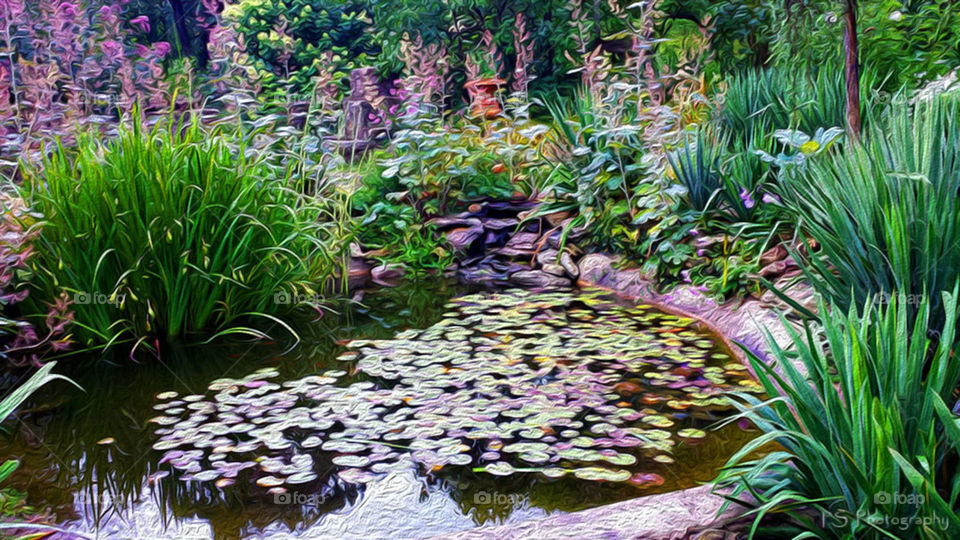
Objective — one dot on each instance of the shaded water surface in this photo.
(422, 410)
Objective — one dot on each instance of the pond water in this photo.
(420, 410)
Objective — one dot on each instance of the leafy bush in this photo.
(170, 232)
(885, 213)
(288, 37)
(867, 433)
(431, 170)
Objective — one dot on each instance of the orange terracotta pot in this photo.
(483, 97)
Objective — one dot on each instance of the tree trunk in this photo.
(180, 23)
(852, 70)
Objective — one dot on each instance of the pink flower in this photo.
(142, 22)
(68, 9)
(161, 49)
(142, 50)
(113, 50)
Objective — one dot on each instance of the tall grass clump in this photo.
(777, 98)
(869, 442)
(885, 213)
(172, 233)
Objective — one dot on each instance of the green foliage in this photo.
(761, 101)
(867, 434)
(901, 42)
(173, 231)
(885, 213)
(458, 26)
(287, 38)
(608, 178)
(432, 170)
(697, 167)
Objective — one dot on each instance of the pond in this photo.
(417, 411)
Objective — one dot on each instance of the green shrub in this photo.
(886, 213)
(170, 232)
(287, 38)
(867, 434)
(697, 167)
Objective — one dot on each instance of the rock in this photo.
(595, 266)
(556, 218)
(475, 208)
(566, 261)
(779, 267)
(772, 255)
(386, 272)
(524, 240)
(357, 272)
(554, 269)
(514, 252)
(538, 280)
(459, 221)
(501, 223)
(462, 238)
(773, 269)
(547, 256)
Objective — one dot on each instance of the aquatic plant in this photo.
(169, 232)
(510, 382)
(865, 423)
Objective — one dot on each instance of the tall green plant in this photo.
(869, 442)
(173, 231)
(697, 166)
(885, 214)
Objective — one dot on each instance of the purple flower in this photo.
(161, 49)
(142, 22)
(112, 49)
(68, 9)
(694, 232)
(142, 50)
(769, 198)
(748, 202)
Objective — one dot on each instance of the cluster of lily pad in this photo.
(553, 383)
